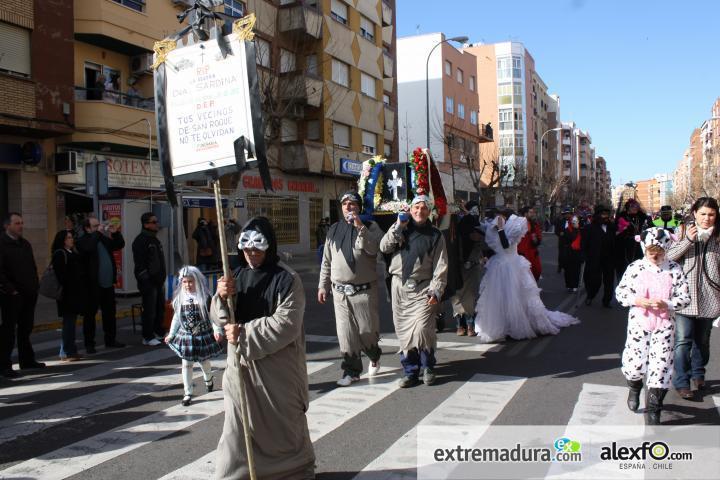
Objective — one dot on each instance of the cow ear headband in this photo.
(655, 236)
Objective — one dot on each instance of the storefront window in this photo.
(282, 212)
(315, 210)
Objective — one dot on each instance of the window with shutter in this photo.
(15, 53)
(339, 11)
(369, 142)
(341, 72)
(367, 28)
(341, 135)
(367, 85)
(287, 61)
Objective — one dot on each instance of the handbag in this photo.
(50, 286)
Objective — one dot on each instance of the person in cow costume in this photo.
(654, 288)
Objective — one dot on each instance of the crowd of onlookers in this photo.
(84, 269)
(597, 249)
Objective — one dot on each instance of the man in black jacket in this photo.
(150, 275)
(598, 247)
(96, 248)
(18, 295)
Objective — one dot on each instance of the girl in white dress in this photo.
(509, 303)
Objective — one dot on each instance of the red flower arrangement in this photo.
(420, 166)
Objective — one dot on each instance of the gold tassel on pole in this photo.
(243, 27)
(162, 48)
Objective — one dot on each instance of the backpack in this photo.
(50, 286)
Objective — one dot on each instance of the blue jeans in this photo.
(68, 347)
(414, 360)
(464, 321)
(692, 349)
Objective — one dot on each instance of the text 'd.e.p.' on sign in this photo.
(207, 105)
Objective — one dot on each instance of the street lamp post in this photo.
(542, 192)
(460, 39)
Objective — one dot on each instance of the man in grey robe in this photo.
(418, 266)
(348, 271)
(267, 347)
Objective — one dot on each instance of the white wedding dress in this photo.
(509, 301)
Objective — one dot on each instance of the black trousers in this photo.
(18, 319)
(572, 269)
(603, 274)
(103, 298)
(153, 315)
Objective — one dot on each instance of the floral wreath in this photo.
(423, 181)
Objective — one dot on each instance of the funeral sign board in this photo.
(207, 101)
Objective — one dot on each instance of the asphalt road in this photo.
(116, 415)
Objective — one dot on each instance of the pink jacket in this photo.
(654, 285)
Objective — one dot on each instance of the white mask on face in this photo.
(704, 235)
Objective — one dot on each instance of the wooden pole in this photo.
(231, 306)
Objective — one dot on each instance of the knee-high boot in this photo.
(633, 400)
(655, 397)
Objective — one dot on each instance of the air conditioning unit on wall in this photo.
(140, 64)
(65, 163)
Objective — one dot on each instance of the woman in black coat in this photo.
(71, 276)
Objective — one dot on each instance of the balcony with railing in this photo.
(301, 87)
(302, 157)
(120, 27)
(115, 97)
(387, 13)
(485, 132)
(103, 110)
(301, 18)
(387, 66)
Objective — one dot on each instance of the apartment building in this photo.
(665, 187)
(513, 96)
(37, 108)
(602, 182)
(648, 194)
(334, 66)
(329, 95)
(451, 109)
(578, 163)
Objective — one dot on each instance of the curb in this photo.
(56, 325)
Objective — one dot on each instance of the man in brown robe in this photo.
(267, 347)
(348, 271)
(418, 267)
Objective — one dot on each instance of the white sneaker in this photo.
(152, 343)
(346, 380)
(373, 369)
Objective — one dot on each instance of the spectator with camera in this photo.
(96, 248)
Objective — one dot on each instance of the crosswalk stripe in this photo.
(601, 406)
(42, 418)
(94, 451)
(488, 394)
(394, 342)
(86, 371)
(39, 419)
(324, 415)
(605, 405)
(106, 446)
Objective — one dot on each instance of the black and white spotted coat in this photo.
(647, 352)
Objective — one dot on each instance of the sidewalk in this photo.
(46, 317)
